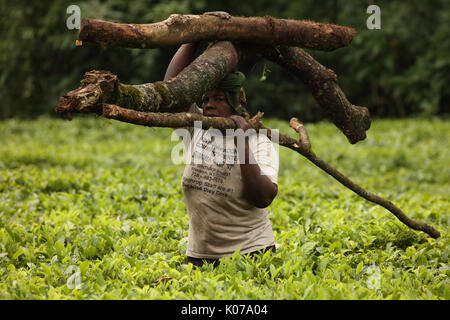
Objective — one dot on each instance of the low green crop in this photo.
(93, 209)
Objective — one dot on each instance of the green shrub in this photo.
(93, 209)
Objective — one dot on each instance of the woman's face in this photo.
(215, 104)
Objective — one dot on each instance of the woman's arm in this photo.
(183, 57)
(259, 190)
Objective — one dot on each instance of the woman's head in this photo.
(227, 98)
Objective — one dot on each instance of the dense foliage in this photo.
(93, 209)
(396, 71)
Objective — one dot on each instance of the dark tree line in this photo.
(400, 70)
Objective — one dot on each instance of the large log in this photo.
(163, 96)
(178, 29)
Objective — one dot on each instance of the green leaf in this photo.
(84, 266)
(308, 247)
(90, 251)
(47, 270)
(17, 254)
(59, 247)
(359, 267)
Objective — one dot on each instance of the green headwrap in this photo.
(231, 85)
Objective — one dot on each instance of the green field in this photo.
(93, 209)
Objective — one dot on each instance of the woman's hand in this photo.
(241, 122)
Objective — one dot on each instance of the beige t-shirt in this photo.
(221, 220)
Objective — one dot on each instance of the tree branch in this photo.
(416, 225)
(352, 120)
(172, 95)
(178, 29)
(171, 120)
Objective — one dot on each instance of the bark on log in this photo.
(178, 29)
(301, 146)
(352, 120)
(172, 95)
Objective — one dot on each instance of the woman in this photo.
(226, 200)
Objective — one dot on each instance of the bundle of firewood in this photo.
(234, 40)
